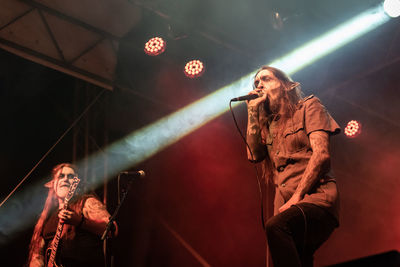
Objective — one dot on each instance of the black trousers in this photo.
(295, 234)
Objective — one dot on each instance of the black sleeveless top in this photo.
(85, 249)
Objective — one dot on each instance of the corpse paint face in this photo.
(63, 180)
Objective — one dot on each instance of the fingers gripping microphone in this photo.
(245, 97)
(138, 174)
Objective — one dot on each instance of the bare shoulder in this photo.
(92, 202)
(95, 209)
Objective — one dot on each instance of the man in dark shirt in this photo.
(290, 134)
(84, 220)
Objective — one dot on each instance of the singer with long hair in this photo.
(290, 135)
(85, 220)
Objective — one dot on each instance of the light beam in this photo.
(147, 141)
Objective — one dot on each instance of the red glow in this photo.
(154, 46)
(194, 69)
(352, 129)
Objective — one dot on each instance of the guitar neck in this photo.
(60, 225)
(56, 241)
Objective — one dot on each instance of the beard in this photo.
(273, 106)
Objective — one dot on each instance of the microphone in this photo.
(139, 174)
(245, 97)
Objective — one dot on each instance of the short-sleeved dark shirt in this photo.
(290, 151)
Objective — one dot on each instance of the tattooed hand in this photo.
(255, 103)
(292, 201)
(256, 150)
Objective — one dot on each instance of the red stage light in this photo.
(194, 69)
(352, 129)
(155, 46)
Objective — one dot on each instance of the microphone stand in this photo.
(110, 223)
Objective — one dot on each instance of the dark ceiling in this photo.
(202, 189)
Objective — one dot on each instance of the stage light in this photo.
(353, 129)
(149, 140)
(276, 20)
(155, 46)
(392, 8)
(194, 69)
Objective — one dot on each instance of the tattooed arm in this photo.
(319, 163)
(96, 216)
(258, 149)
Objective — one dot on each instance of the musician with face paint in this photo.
(84, 221)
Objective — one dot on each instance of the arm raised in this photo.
(256, 151)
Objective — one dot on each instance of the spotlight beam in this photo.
(332, 40)
(147, 141)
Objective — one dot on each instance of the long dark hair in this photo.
(50, 205)
(291, 91)
(291, 95)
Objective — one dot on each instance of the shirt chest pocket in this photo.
(295, 137)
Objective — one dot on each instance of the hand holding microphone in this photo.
(245, 97)
(254, 98)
